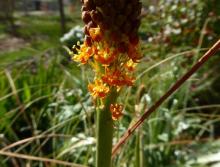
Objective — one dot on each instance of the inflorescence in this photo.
(111, 45)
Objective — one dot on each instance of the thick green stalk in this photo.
(137, 150)
(104, 133)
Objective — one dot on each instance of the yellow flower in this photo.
(84, 53)
(98, 89)
(130, 65)
(95, 34)
(117, 78)
(116, 110)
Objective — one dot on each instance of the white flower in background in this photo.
(177, 31)
(168, 30)
(75, 32)
(152, 9)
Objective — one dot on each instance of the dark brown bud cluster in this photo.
(119, 17)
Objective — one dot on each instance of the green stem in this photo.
(137, 150)
(139, 155)
(105, 133)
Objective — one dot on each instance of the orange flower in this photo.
(98, 89)
(134, 53)
(105, 56)
(83, 55)
(130, 65)
(117, 78)
(116, 110)
(95, 34)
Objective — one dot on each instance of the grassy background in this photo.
(43, 93)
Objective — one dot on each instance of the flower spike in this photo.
(111, 45)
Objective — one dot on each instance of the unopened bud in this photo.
(96, 16)
(88, 40)
(133, 38)
(89, 4)
(99, 2)
(136, 24)
(126, 28)
(115, 36)
(83, 8)
(107, 10)
(91, 24)
(122, 47)
(120, 4)
(128, 9)
(86, 31)
(120, 19)
(86, 17)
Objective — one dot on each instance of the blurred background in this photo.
(44, 98)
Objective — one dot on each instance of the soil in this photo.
(9, 43)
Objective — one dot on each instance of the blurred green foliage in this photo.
(43, 92)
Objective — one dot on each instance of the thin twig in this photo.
(182, 142)
(33, 138)
(176, 86)
(34, 158)
(167, 59)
